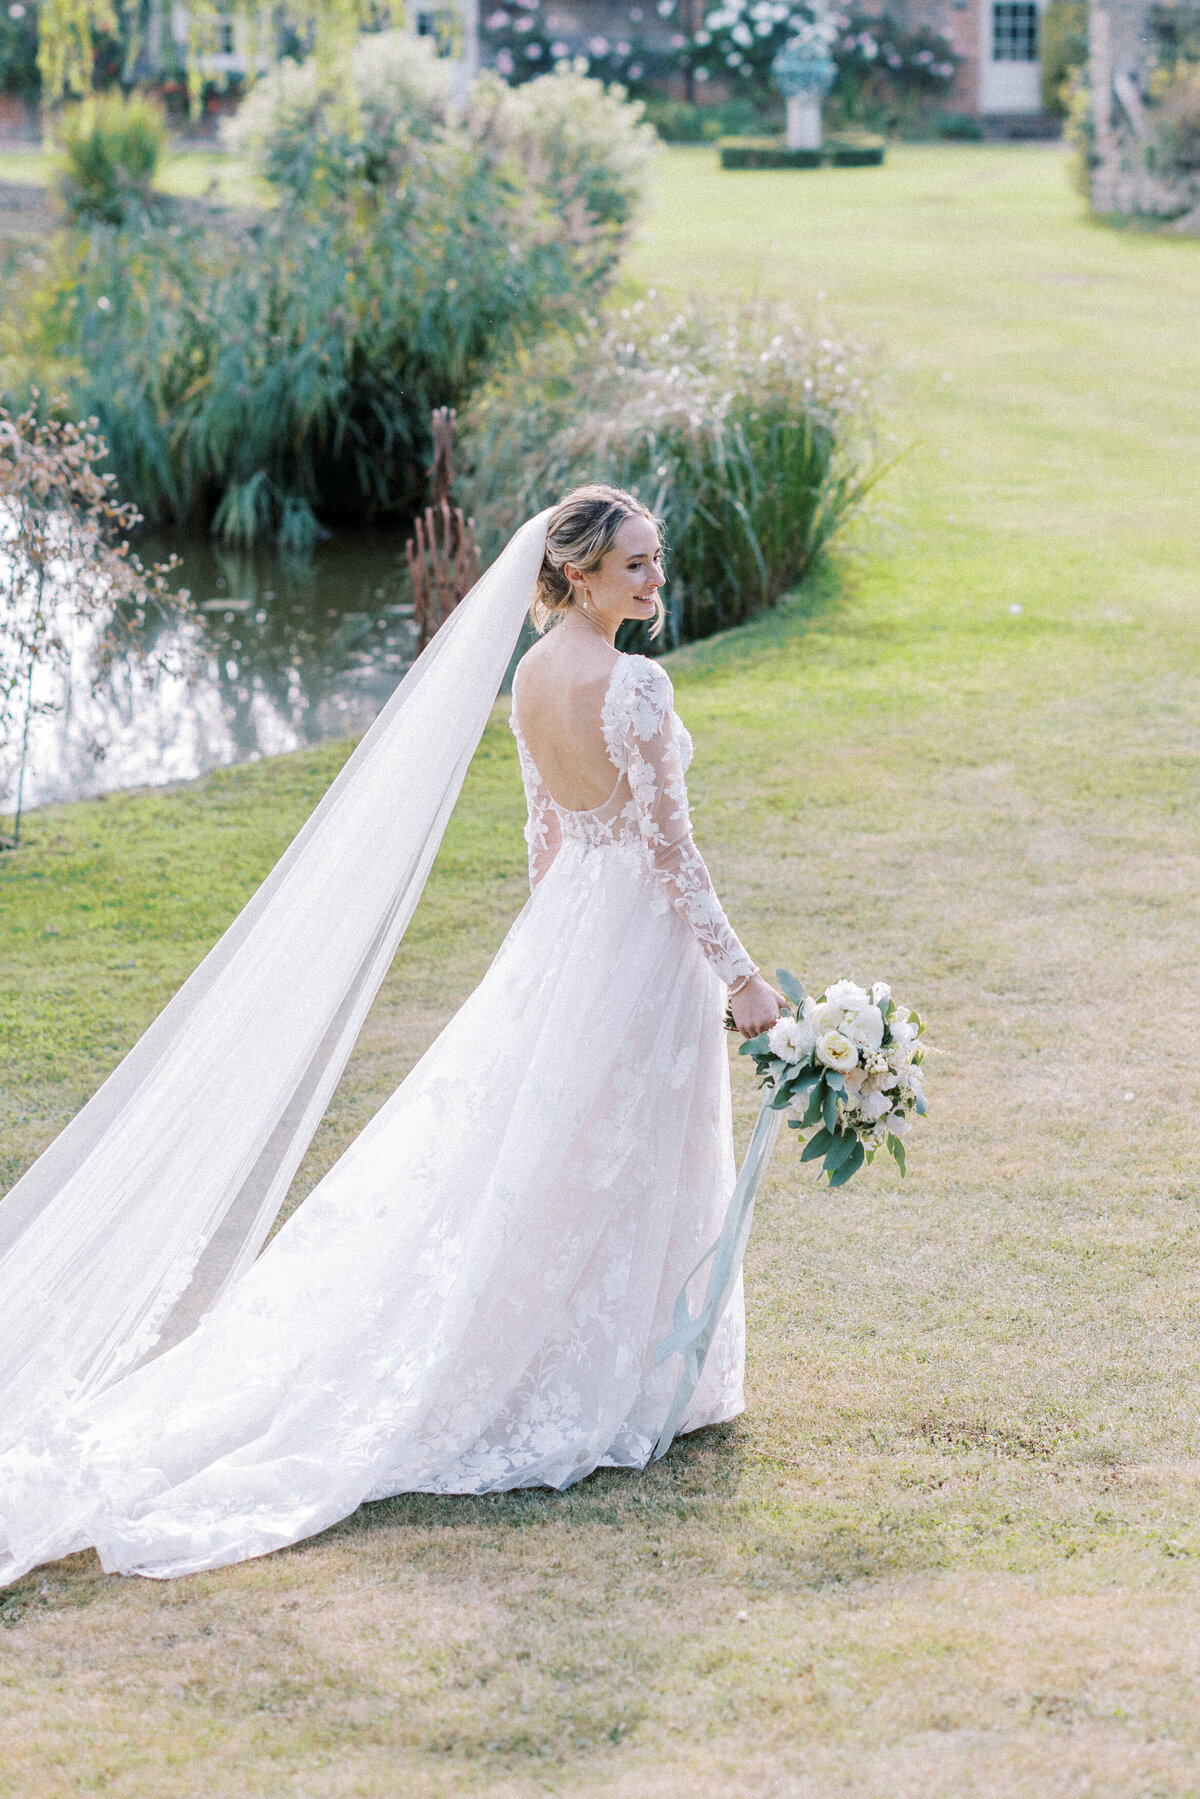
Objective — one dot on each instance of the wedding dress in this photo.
(470, 1299)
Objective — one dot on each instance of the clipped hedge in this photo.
(842, 151)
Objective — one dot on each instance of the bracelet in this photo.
(744, 981)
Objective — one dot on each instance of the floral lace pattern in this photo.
(470, 1299)
(651, 751)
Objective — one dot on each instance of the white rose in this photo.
(848, 995)
(898, 1124)
(836, 1052)
(865, 1029)
(827, 1017)
(791, 1040)
(880, 991)
(872, 1106)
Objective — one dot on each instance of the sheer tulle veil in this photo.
(163, 1188)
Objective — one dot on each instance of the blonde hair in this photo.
(582, 530)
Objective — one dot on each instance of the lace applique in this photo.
(543, 832)
(648, 809)
(647, 741)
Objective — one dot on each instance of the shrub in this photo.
(65, 567)
(109, 147)
(960, 127)
(677, 122)
(1063, 47)
(1177, 119)
(18, 51)
(266, 380)
(739, 427)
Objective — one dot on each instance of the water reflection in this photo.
(284, 652)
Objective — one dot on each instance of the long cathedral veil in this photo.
(163, 1188)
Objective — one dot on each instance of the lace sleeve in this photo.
(543, 832)
(651, 755)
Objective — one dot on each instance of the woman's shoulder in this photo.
(641, 694)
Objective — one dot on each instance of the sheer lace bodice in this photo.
(647, 811)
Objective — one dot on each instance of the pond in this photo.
(284, 652)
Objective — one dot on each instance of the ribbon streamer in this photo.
(691, 1337)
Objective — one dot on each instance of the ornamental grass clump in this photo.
(272, 377)
(110, 147)
(742, 428)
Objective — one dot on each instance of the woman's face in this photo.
(627, 581)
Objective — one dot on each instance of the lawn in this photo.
(952, 1548)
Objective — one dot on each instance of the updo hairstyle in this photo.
(581, 530)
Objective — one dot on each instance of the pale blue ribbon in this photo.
(692, 1337)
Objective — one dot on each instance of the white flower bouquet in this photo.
(848, 1063)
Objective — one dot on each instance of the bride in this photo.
(470, 1299)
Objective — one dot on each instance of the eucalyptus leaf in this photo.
(849, 1168)
(790, 986)
(816, 1106)
(829, 1110)
(841, 1150)
(816, 1146)
(897, 1149)
(834, 1081)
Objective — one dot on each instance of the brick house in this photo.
(998, 80)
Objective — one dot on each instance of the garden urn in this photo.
(804, 72)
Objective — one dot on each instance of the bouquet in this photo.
(848, 1063)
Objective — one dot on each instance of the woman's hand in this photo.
(755, 1007)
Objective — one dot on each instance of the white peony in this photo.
(865, 1029)
(904, 1035)
(791, 1040)
(836, 1052)
(880, 991)
(808, 1010)
(848, 995)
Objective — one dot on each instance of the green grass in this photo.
(953, 1546)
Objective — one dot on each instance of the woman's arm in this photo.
(659, 791)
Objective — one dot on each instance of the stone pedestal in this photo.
(803, 122)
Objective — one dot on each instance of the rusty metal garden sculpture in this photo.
(443, 557)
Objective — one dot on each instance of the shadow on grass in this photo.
(704, 1468)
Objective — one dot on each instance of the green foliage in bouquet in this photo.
(845, 1066)
(740, 426)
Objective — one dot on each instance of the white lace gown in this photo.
(470, 1299)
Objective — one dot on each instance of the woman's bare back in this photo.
(559, 698)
